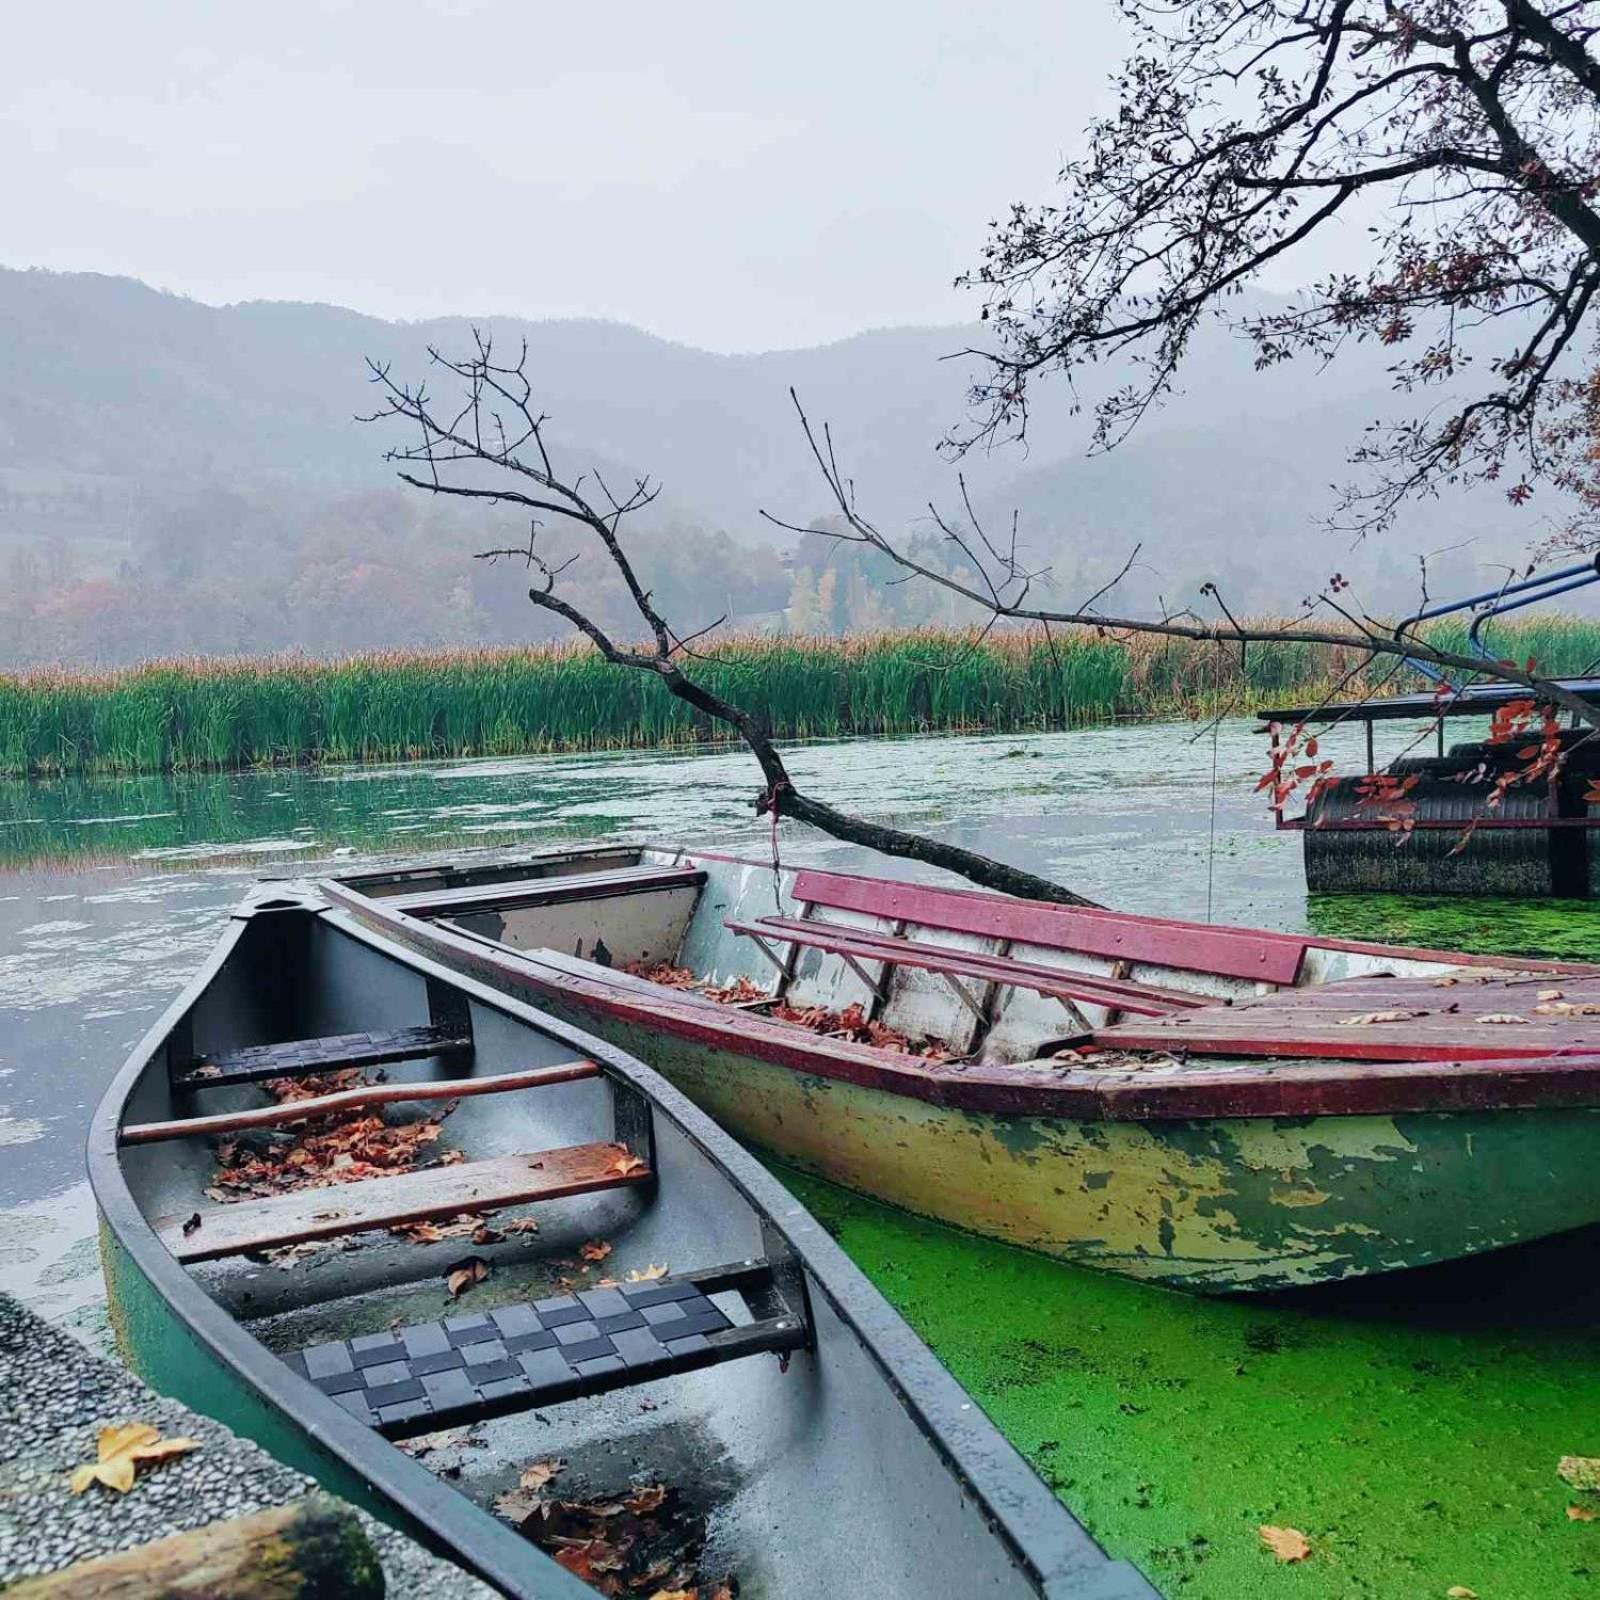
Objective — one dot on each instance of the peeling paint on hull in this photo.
(1219, 1207)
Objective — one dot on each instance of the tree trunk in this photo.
(311, 1549)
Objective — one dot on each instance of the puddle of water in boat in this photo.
(1419, 1454)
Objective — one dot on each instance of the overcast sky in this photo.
(734, 176)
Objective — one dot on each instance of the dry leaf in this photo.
(1567, 1008)
(596, 1250)
(484, 1234)
(540, 1473)
(1459, 1591)
(122, 1446)
(419, 1232)
(1368, 1018)
(1287, 1544)
(464, 1274)
(676, 1594)
(520, 1225)
(1503, 1017)
(1582, 1472)
(649, 1274)
(1582, 1513)
(650, 1498)
(626, 1164)
(1551, 994)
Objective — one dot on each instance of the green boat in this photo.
(1210, 1108)
(352, 1201)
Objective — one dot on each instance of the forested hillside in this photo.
(176, 477)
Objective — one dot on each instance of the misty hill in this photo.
(176, 476)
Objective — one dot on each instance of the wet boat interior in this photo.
(771, 1420)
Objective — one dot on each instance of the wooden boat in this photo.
(737, 1392)
(1211, 1108)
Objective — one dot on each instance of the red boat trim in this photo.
(1076, 1092)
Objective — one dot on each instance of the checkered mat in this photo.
(433, 1374)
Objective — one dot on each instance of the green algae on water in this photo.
(1410, 1426)
(1557, 930)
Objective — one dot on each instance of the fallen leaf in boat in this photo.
(676, 1594)
(464, 1274)
(192, 1224)
(1506, 1017)
(122, 1446)
(596, 1250)
(484, 1234)
(418, 1232)
(422, 1444)
(1567, 1008)
(1368, 1019)
(1582, 1472)
(1287, 1544)
(647, 1499)
(624, 1165)
(540, 1473)
(1551, 994)
(1445, 983)
(1459, 1591)
(1582, 1513)
(649, 1274)
(221, 1196)
(519, 1225)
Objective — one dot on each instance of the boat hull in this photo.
(1219, 1206)
(853, 1456)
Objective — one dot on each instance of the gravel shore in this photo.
(54, 1397)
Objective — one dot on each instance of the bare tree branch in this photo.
(518, 469)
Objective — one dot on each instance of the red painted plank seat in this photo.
(545, 891)
(862, 944)
(1188, 946)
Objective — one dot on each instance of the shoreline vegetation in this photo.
(231, 714)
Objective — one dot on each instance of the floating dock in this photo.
(1539, 841)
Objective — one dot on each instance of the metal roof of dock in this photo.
(1477, 700)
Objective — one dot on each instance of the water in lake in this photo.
(1411, 1428)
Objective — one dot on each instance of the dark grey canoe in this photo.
(763, 1378)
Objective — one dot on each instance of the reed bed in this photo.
(214, 714)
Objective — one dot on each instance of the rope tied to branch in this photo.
(769, 803)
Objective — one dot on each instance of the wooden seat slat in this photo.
(334, 1053)
(1188, 946)
(344, 1208)
(1116, 993)
(371, 1094)
(558, 890)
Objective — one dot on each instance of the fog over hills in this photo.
(178, 476)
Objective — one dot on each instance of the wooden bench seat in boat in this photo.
(334, 1053)
(1486, 1017)
(1246, 953)
(467, 1368)
(865, 944)
(422, 1196)
(546, 891)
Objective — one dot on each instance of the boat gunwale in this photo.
(1041, 1536)
(1261, 1088)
